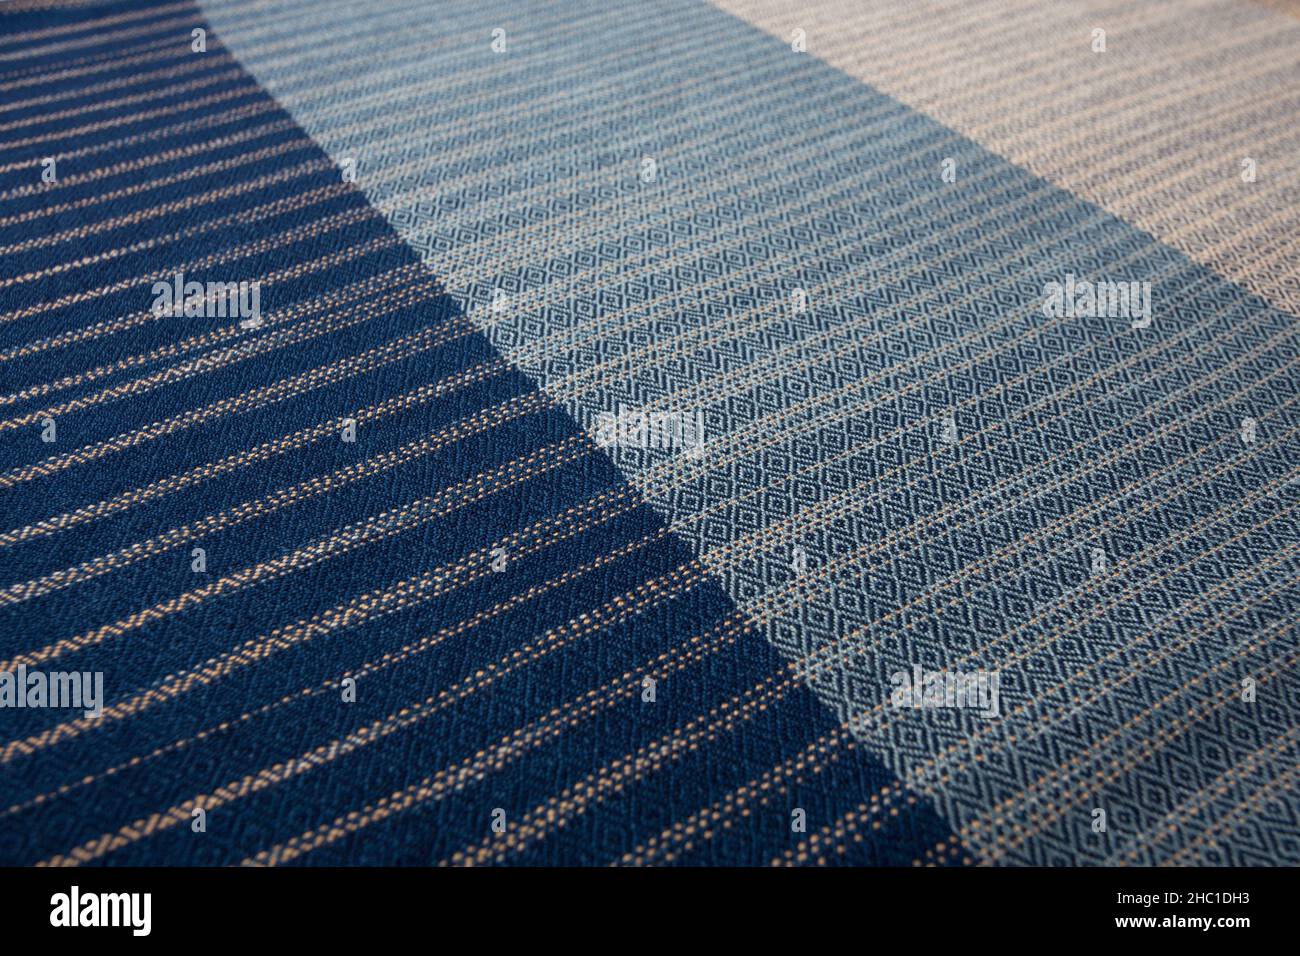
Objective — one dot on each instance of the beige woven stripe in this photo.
(1022, 80)
(1290, 7)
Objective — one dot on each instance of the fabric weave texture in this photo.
(366, 578)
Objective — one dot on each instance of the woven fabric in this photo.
(368, 576)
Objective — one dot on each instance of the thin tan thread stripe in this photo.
(260, 507)
(846, 502)
(471, 568)
(104, 39)
(278, 446)
(105, 62)
(153, 212)
(450, 265)
(1250, 803)
(268, 210)
(240, 114)
(135, 319)
(395, 350)
(1094, 694)
(413, 294)
(772, 783)
(375, 527)
(318, 227)
(614, 776)
(26, 37)
(1077, 592)
(1223, 697)
(124, 82)
(342, 295)
(830, 835)
(243, 91)
(162, 92)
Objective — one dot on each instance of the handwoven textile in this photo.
(597, 425)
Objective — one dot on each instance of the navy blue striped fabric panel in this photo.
(495, 587)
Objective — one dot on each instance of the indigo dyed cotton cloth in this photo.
(649, 433)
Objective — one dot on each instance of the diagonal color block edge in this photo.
(357, 589)
(683, 216)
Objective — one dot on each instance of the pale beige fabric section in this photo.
(1290, 7)
(1212, 83)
